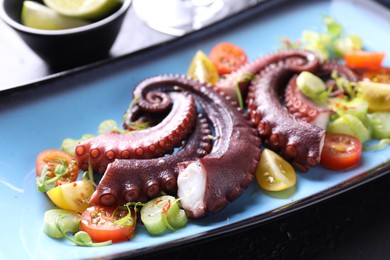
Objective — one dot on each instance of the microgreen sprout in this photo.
(128, 219)
(46, 182)
(80, 238)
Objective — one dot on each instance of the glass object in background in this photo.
(178, 17)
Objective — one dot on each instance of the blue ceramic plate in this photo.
(40, 115)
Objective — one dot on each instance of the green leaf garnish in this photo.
(80, 238)
(44, 182)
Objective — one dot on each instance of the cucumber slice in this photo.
(376, 94)
(356, 107)
(162, 212)
(178, 220)
(69, 223)
(351, 125)
(312, 86)
(380, 122)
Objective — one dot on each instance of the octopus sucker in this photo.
(208, 184)
(142, 179)
(296, 140)
(298, 60)
(101, 150)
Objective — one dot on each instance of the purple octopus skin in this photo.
(243, 76)
(143, 144)
(206, 185)
(296, 140)
(142, 179)
(303, 108)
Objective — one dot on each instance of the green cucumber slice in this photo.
(162, 212)
(351, 125)
(312, 86)
(380, 122)
(69, 223)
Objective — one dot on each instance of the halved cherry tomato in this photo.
(52, 158)
(98, 222)
(72, 196)
(202, 69)
(341, 151)
(364, 59)
(274, 173)
(227, 57)
(381, 75)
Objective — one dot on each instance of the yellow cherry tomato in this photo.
(202, 69)
(274, 173)
(72, 196)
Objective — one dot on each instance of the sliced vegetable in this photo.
(356, 107)
(380, 122)
(274, 173)
(70, 222)
(369, 60)
(313, 87)
(108, 224)
(350, 125)
(54, 168)
(376, 94)
(202, 69)
(341, 151)
(162, 212)
(59, 222)
(72, 196)
(227, 57)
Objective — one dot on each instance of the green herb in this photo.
(81, 238)
(45, 182)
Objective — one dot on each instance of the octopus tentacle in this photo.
(296, 140)
(207, 185)
(299, 60)
(142, 179)
(148, 143)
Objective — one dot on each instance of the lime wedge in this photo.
(84, 9)
(36, 15)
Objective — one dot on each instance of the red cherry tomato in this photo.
(341, 151)
(227, 57)
(52, 158)
(98, 222)
(364, 59)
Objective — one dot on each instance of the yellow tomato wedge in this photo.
(72, 196)
(202, 69)
(274, 173)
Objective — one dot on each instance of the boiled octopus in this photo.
(151, 142)
(290, 132)
(143, 179)
(206, 182)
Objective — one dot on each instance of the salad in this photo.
(361, 112)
